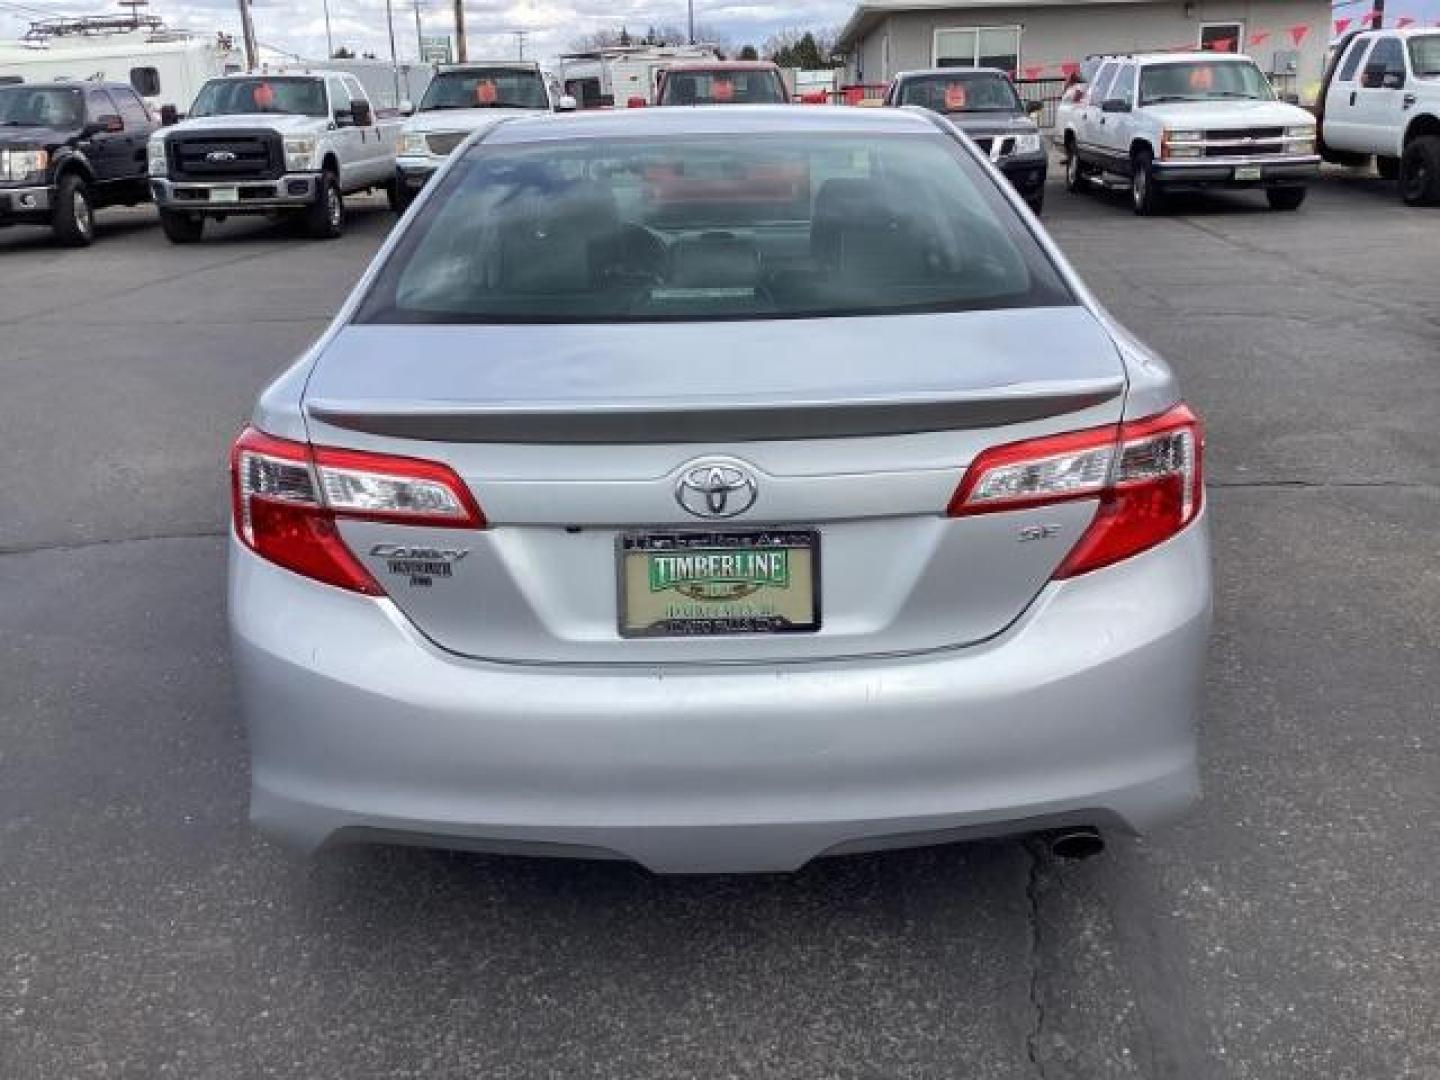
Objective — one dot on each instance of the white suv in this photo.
(1172, 121)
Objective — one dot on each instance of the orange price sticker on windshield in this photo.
(723, 90)
(485, 92)
(954, 95)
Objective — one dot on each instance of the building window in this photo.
(979, 46)
(1222, 37)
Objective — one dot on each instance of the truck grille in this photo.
(1244, 142)
(248, 155)
(444, 142)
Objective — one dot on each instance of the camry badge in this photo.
(716, 489)
(219, 156)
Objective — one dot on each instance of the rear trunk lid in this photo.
(582, 443)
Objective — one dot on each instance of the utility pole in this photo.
(1377, 16)
(329, 40)
(394, 63)
(247, 29)
(520, 41)
(419, 36)
(460, 53)
(690, 20)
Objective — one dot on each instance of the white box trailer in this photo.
(623, 74)
(165, 67)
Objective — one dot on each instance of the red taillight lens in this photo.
(286, 496)
(1147, 475)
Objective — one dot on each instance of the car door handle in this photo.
(1407, 101)
(1352, 99)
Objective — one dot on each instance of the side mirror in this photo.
(169, 115)
(1033, 107)
(1115, 105)
(566, 104)
(360, 113)
(407, 108)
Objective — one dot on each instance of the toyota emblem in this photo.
(716, 489)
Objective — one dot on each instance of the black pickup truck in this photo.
(68, 149)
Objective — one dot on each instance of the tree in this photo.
(749, 52)
(342, 53)
(804, 49)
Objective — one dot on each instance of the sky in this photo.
(298, 26)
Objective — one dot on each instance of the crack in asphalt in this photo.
(82, 545)
(1033, 959)
(1320, 485)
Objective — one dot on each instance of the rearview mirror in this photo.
(1115, 105)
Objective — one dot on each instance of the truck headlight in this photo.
(155, 154)
(299, 152)
(1027, 143)
(1300, 140)
(413, 144)
(1189, 140)
(23, 164)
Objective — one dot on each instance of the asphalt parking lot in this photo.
(1288, 929)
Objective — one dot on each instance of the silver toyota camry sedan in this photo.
(719, 489)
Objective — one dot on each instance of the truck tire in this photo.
(325, 218)
(1420, 171)
(1388, 167)
(181, 228)
(74, 215)
(1077, 178)
(1285, 198)
(1145, 197)
(398, 196)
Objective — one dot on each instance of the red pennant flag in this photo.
(1341, 25)
(1298, 32)
(1069, 68)
(1034, 72)
(1223, 44)
(1403, 21)
(1259, 37)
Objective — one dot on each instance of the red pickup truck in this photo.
(723, 82)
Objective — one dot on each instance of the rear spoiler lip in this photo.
(710, 421)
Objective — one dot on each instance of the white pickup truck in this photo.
(271, 144)
(461, 100)
(1163, 122)
(1381, 98)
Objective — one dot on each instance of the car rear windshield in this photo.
(236, 97)
(723, 88)
(499, 88)
(953, 92)
(1203, 80)
(24, 106)
(1425, 55)
(709, 228)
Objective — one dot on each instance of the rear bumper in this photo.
(26, 204)
(293, 191)
(1222, 172)
(1080, 713)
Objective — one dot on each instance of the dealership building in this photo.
(1047, 38)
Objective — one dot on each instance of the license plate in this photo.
(714, 583)
(1247, 172)
(224, 194)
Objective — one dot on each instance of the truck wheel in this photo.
(325, 218)
(1420, 171)
(181, 228)
(1145, 195)
(1077, 179)
(1388, 167)
(1285, 198)
(398, 196)
(74, 220)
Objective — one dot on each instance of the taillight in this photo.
(287, 495)
(1146, 474)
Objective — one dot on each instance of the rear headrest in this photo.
(548, 238)
(858, 231)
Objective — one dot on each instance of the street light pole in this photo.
(329, 40)
(247, 29)
(690, 20)
(394, 62)
(419, 36)
(460, 53)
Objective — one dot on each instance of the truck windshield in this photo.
(1425, 55)
(695, 228)
(723, 88)
(1203, 80)
(22, 106)
(954, 93)
(500, 88)
(262, 94)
